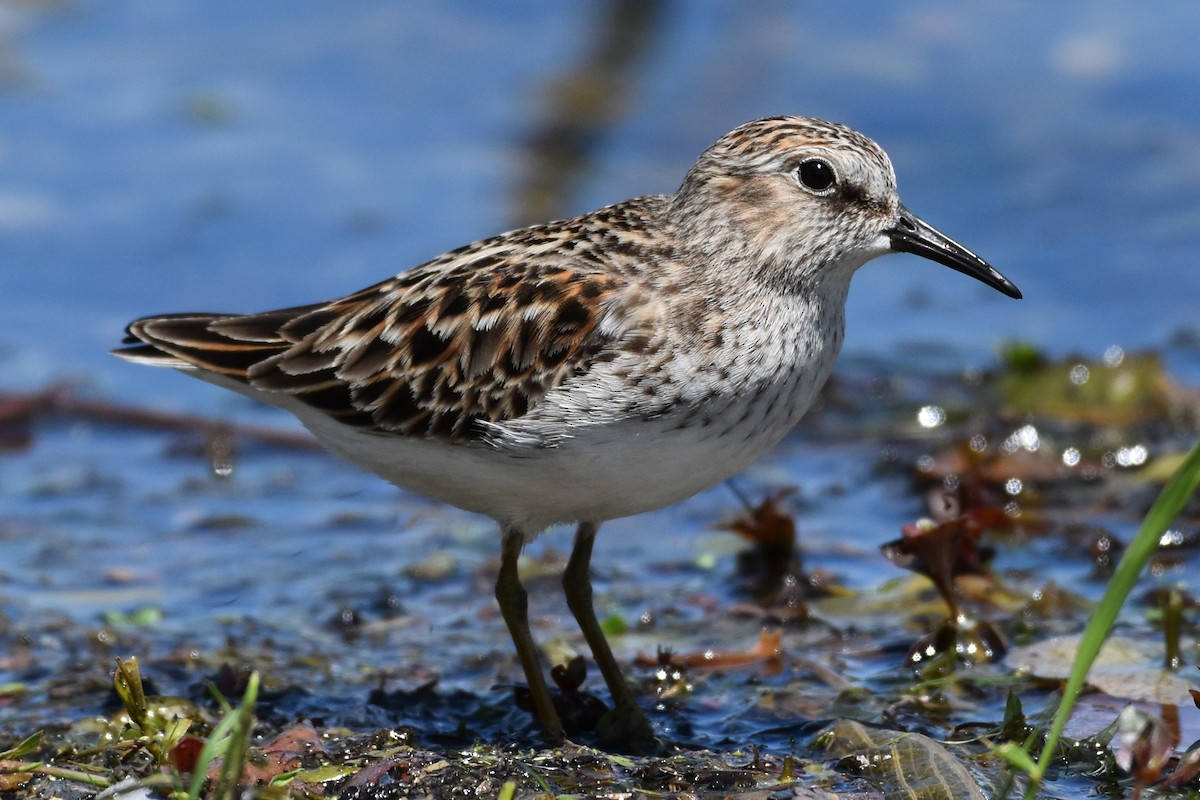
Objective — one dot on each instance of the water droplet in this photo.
(931, 416)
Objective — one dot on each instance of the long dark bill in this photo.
(913, 235)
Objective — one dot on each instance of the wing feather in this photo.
(429, 353)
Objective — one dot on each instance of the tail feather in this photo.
(225, 344)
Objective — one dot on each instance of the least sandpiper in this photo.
(589, 368)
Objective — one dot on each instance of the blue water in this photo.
(226, 155)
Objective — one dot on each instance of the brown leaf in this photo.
(767, 524)
(1141, 746)
(285, 753)
(185, 754)
(1187, 768)
(940, 551)
(767, 652)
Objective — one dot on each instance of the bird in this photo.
(590, 368)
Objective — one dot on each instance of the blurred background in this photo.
(238, 156)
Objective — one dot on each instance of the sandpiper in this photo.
(589, 368)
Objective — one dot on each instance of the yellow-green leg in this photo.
(514, 607)
(630, 727)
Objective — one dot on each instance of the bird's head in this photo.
(809, 201)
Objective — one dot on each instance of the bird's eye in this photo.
(816, 176)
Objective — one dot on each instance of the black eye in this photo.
(816, 175)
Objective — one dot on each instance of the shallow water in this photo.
(232, 156)
(333, 583)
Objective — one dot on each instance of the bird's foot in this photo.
(628, 731)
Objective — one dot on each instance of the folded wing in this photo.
(431, 352)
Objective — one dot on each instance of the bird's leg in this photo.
(514, 607)
(632, 728)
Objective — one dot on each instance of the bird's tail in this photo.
(223, 344)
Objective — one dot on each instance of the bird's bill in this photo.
(913, 235)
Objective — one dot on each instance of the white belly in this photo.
(603, 471)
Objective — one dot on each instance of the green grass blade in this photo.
(230, 739)
(1165, 509)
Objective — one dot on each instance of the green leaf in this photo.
(614, 625)
(27, 745)
(1017, 756)
(127, 681)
